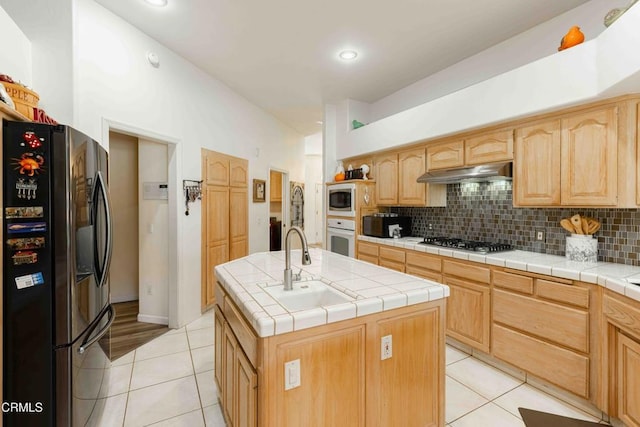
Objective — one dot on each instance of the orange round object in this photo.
(339, 176)
(572, 38)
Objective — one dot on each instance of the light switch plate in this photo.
(292, 374)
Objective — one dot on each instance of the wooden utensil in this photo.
(585, 224)
(594, 227)
(566, 224)
(577, 223)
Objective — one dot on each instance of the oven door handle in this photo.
(86, 342)
(341, 232)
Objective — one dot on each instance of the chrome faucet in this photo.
(306, 259)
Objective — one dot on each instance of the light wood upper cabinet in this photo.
(442, 156)
(396, 181)
(411, 164)
(489, 148)
(568, 162)
(387, 179)
(590, 158)
(537, 148)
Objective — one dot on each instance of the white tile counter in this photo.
(619, 278)
(373, 288)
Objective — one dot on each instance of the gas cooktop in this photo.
(467, 245)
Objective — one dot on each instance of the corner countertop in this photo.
(620, 278)
(373, 288)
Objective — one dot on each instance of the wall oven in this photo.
(341, 236)
(341, 200)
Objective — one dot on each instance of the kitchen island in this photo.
(376, 359)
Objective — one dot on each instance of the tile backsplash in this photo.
(484, 211)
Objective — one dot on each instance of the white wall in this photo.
(114, 81)
(15, 55)
(49, 26)
(522, 49)
(313, 176)
(153, 235)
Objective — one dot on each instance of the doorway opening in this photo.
(278, 208)
(143, 183)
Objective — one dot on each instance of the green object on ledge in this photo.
(357, 124)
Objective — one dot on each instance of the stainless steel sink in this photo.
(307, 294)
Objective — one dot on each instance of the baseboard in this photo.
(125, 298)
(149, 318)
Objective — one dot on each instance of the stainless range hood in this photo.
(480, 173)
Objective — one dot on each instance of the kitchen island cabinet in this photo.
(344, 376)
(621, 357)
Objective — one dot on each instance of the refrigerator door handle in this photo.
(86, 342)
(109, 228)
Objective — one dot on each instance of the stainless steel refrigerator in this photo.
(57, 316)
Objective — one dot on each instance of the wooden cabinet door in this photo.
(536, 180)
(246, 392)
(238, 222)
(387, 179)
(229, 366)
(238, 172)
(489, 148)
(589, 159)
(332, 380)
(403, 401)
(275, 186)
(628, 381)
(411, 165)
(442, 156)
(218, 348)
(217, 169)
(216, 211)
(468, 313)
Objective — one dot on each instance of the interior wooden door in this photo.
(238, 222)
(217, 236)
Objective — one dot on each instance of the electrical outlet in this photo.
(540, 235)
(149, 290)
(386, 348)
(292, 374)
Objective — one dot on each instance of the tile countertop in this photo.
(373, 288)
(620, 278)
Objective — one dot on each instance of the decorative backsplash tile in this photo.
(484, 211)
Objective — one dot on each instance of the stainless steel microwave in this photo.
(341, 200)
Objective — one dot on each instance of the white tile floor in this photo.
(169, 382)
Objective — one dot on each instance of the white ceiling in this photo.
(282, 54)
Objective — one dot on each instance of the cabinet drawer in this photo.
(623, 315)
(398, 266)
(430, 262)
(560, 324)
(368, 258)
(559, 366)
(569, 294)
(466, 271)
(424, 273)
(367, 249)
(243, 332)
(391, 254)
(514, 282)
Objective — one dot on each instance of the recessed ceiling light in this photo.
(158, 3)
(348, 55)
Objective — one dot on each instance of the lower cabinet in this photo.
(469, 303)
(235, 377)
(621, 361)
(543, 327)
(392, 258)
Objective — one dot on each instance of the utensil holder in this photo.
(582, 248)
